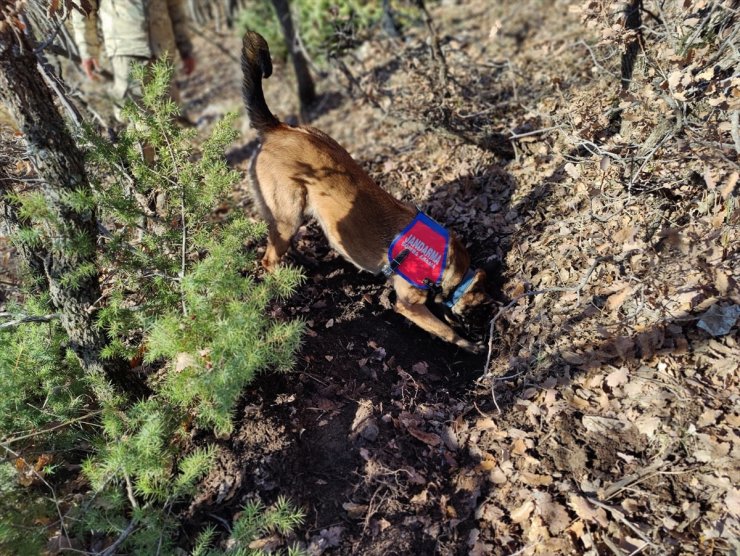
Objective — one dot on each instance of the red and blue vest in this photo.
(419, 253)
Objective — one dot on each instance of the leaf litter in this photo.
(607, 421)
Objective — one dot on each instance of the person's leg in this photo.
(123, 86)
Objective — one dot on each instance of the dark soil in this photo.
(581, 436)
(607, 421)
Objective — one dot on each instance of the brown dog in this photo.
(300, 171)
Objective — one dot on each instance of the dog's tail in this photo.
(256, 64)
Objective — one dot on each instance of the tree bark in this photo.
(72, 234)
(306, 88)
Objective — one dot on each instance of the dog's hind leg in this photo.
(285, 208)
(410, 304)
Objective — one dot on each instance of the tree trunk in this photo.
(71, 247)
(306, 88)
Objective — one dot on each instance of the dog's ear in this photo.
(479, 280)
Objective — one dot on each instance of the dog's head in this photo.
(473, 307)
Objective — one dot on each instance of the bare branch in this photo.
(26, 319)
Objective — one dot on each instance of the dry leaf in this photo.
(183, 361)
(647, 425)
(572, 358)
(674, 79)
(522, 513)
(616, 300)
(709, 417)
(355, 511)
(519, 447)
(617, 377)
(420, 368)
(426, 437)
(485, 423)
(729, 186)
(553, 513)
(603, 425)
(573, 170)
(732, 502)
(533, 479)
(420, 498)
(586, 511)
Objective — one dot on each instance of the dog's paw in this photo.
(471, 347)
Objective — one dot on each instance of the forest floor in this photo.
(604, 416)
(607, 418)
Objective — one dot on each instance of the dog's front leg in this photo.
(410, 304)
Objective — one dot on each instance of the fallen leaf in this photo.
(603, 425)
(485, 423)
(674, 79)
(355, 511)
(729, 185)
(420, 368)
(522, 513)
(617, 377)
(426, 437)
(732, 502)
(616, 300)
(573, 170)
(533, 479)
(647, 425)
(709, 417)
(718, 320)
(183, 361)
(572, 358)
(586, 511)
(420, 498)
(553, 513)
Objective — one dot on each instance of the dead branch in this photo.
(619, 516)
(9, 441)
(535, 132)
(437, 54)
(119, 541)
(26, 319)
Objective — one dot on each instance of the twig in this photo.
(647, 158)
(119, 541)
(40, 477)
(221, 520)
(353, 82)
(130, 492)
(437, 54)
(28, 318)
(184, 252)
(577, 288)
(513, 80)
(593, 58)
(8, 441)
(631, 479)
(535, 132)
(620, 517)
(735, 130)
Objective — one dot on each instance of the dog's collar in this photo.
(461, 288)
